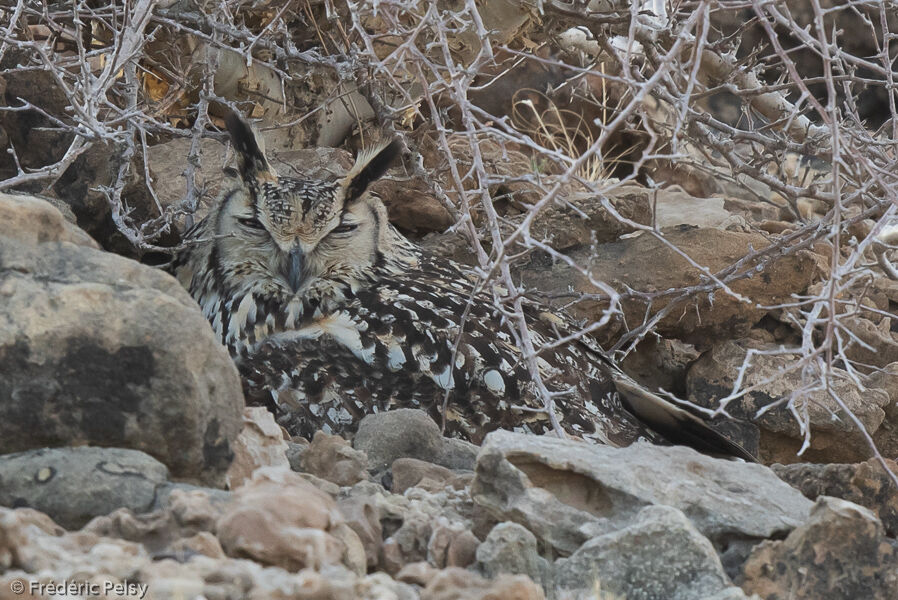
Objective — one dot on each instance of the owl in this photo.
(331, 314)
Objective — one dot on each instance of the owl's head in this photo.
(285, 233)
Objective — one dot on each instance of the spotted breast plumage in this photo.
(331, 314)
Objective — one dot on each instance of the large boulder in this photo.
(98, 349)
(567, 492)
(697, 318)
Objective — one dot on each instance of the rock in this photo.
(451, 544)
(679, 564)
(332, 458)
(73, 485)
(458, 584)
(511, 548)
(120, 349)
(402, 433)
(280, 519)
(458, 455)
(660, 364)
(261, 443)
(203, 577)
(622, 264)
(35, 221)
(567, 492)
(30, 543)
(582, 220)
(676, 207)
(840, 553)
(411, 472)
(887, 381)
(354, 556)
(183, 520)
(834, 436)
(870, 344)
(419, 525)
(866, 484)
(362, 514)
(412, 205)
(462, 550)
(295, 448)
(419, 573)
(410, 433)
(731, 593)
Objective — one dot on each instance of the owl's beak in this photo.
(293, 268)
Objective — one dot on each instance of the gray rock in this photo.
(401, 433)
(74, 485)
(96, 349)
(510, 548)
(566, 492)
(677, 564)
(458, 455)
(294, 454)
(731, 593)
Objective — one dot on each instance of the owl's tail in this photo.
(674, 423)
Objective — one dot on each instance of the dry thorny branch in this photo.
(623, 93)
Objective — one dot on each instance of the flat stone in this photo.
(74, 485)
(567, 492)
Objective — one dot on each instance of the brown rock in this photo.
(411, 472)
(412, 206)
(195, 509)
(35, 221)
(441, 538)
(883, 347)
(419, 573)
(202, 543)
(832, 439)
(866, 484)
(840, 553)
(33, 544)
(363, 516)
(420, 537)
(462, 550)
(260, 444)
(354, 556)
(280, 519)
(184, 523)
(660, 364)
(583, 221)
(459, 584)
(623, 264)
(332, 458)
(887, 381)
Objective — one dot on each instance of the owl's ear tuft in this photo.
(370, 164)
(250, 150)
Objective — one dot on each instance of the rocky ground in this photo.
(129, 457)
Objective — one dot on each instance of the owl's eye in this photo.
(252, 224)
(345, 228)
